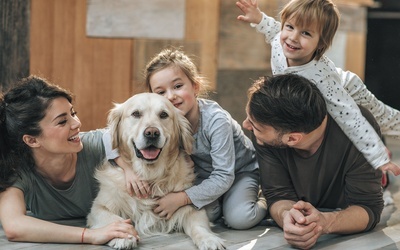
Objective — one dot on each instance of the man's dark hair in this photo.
(288, 103)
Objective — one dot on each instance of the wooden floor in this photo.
(265, 236)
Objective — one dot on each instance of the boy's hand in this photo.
(252, 13)
(391, 167)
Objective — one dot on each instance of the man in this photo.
(314, 179)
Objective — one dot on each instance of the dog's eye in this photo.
(136, 114)
(163, 115)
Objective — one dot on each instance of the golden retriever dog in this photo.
(151, 134)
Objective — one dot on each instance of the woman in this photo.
(47, 167)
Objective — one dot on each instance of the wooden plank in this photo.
(240, 46)
(63, 42)
(201, 36)
(355, 53)
(41, 37)
(97, 71)
(83, 71)
(14, 41)
(202, 24)
(367, 3)
(122, 70)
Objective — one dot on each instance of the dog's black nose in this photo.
(152, 132)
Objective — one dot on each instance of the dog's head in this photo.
(148, 126)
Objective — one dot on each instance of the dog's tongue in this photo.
(150, 153)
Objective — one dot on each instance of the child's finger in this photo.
(146, 187)
(129, 189)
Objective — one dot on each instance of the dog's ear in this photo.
(114, 119)
(185, 136)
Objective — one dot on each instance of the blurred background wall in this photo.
(52, 39)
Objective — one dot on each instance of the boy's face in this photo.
(299, 43)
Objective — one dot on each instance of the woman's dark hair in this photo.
(22, 107)
(288, 103)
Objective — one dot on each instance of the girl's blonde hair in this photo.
(176, 58)
(322, 13)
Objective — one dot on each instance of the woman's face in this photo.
(172, 83)
(60, 129)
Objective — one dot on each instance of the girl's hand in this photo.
(134, 185)
(252, 13)
(120, 229)
(168, 204)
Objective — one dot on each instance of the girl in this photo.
(227, 181)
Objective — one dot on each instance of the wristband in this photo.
(83, 234)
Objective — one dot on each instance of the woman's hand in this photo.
(120, 229)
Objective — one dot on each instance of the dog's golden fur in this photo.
(156, 139)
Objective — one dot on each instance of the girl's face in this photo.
(60, 129)
(172, 83)
(298, 43)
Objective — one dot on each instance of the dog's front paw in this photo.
(211, 243)
(123, 243)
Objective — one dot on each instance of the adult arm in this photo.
(303, 224)
(20, 227)
(362, 190)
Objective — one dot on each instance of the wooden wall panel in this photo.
(14, 41)
(154, 19)
(96, 70)
(41, 37)
(100, 71)
(240, 46)
(356, 53)
(200, 42)
(202, 25)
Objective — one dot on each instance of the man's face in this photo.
(265, 135)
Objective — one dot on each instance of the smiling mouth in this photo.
(291, 47)
(176, 104)
(74, 138)
(150, 153)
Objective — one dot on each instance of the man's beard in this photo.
(278, 143)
